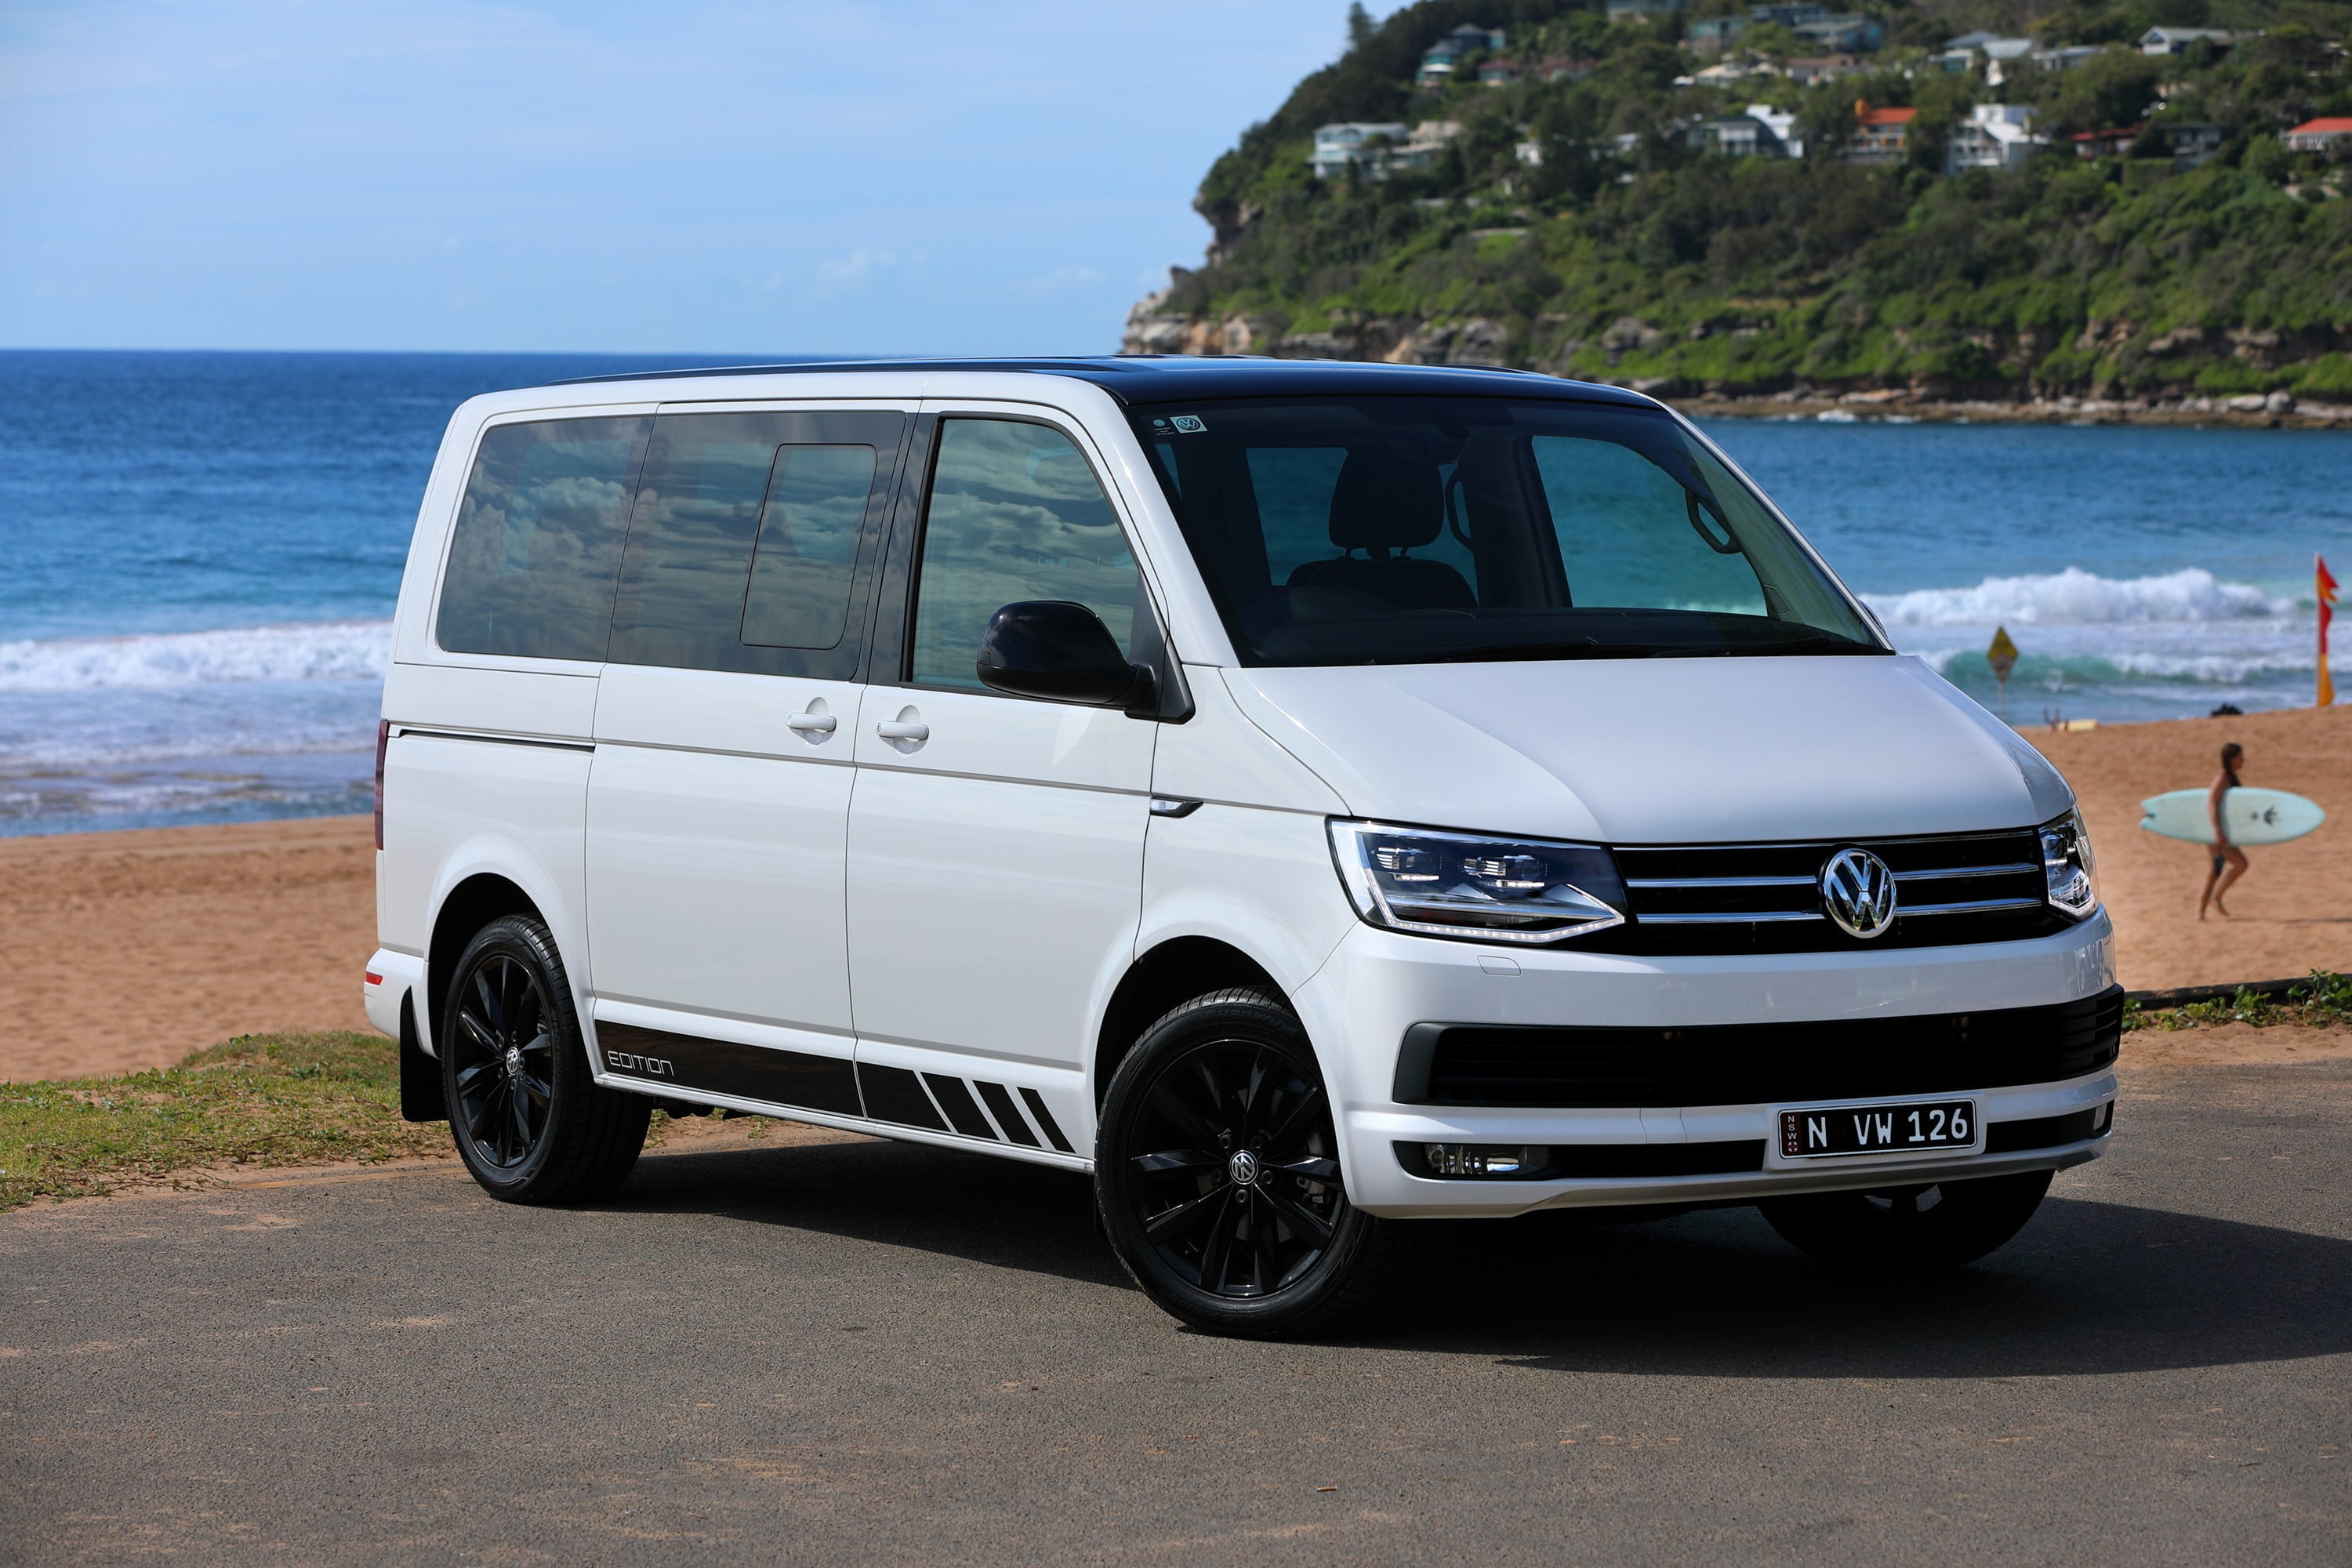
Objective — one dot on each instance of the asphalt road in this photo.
(868, 1353)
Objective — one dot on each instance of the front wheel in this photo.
(1217, 1173)
(1940, 1225)
(529, 1121)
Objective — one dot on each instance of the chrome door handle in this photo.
(812, 723)
(907, 731)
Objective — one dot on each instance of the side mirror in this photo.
(1061, 652)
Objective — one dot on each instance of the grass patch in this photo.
(258, 1099)
(2324, 998)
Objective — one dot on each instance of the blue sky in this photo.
(794, 177)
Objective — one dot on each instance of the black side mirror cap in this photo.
(1061, 652)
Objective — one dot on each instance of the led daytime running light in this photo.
(1476, 889)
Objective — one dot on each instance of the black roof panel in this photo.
(1164, 378)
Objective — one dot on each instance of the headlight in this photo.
(2068, 868)
(1479, 890)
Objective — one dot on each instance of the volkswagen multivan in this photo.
(1307, 799)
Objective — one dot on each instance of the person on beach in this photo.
(2228, 860)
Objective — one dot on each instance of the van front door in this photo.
(995, 843)
(719, 797)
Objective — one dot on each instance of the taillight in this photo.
(383, 739)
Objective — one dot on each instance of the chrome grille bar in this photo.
(1969, 907)
(2022, 869)
(1648, 882)
(1731, 917)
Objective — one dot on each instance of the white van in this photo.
(1306, 797)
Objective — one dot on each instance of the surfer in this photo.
(2228, 860)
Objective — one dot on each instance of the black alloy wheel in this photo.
(1218, 1174)
(504, 1054)
(1928, 1226)
(526, 1113)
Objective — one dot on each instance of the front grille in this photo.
(1758, 1064)
(1766, 898)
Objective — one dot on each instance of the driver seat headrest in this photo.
(1383, 502)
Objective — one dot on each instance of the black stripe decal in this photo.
(962, 1108)
(1046, 1122)
(722, 1067)
(893, 1095)
(1008, 1115)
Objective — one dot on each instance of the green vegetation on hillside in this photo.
(1577, 226)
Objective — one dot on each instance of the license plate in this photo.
(1829, 1132)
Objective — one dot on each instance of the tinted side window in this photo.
(538, 540)
(746, 539)
(807, 545)
(1015, 513)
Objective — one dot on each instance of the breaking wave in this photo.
(335, 650)
(2076, 597)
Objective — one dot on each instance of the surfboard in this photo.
(2255, 815)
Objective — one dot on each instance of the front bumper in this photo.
(1378, 984)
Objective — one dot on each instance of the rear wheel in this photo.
(1217, 1173)
(1940, 1225)
(529, 1121)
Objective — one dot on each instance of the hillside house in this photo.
(1961, 54)
(1499, 72)
(1762, 131)
(1563, 68)
(2003, 57)
(1809, 69)
(1995, 136)
(2331, 134)
(1848, 33)
(1641, 10)
(2112, 143)
(2176, 40)
(1443, 59)
(1351, 142)
(1725, 71)
(1880, 135)
(1842, 32)
(2192, 145)
(1379, 149)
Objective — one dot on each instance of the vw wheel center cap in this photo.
(1858, 892)
(1242, 1167)
(514, 1059)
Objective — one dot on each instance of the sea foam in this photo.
(2076, 597)
(335, 650)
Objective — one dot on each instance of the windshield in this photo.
(1414, 530)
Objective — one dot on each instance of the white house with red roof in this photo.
(2330, 133)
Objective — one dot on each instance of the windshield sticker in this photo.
(1187, 423)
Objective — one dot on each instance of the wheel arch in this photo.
(1173, 972)
(465, 909)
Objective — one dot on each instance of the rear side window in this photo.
(807, 545)
(1015, 513)
(744, 547)
(537, 540)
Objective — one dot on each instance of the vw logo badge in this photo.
(1858, 891)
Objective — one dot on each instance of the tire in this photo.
(1941, 1226)
(1217, 1175)
(527, 1115)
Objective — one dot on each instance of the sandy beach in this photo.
(121, 950)
(2292, 913)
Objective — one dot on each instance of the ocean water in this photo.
(198, 552)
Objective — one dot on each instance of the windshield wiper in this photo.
(1818, 642)
(1582, 647)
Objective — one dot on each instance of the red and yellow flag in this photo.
(2325, 586)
